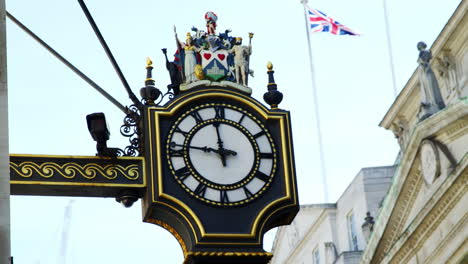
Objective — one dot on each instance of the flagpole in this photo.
(5, 225)
(389, 46)
(316, 109)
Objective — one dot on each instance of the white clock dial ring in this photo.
(239, 163)
(221, 154)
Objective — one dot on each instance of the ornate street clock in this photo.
(221, 173)
(215, 167)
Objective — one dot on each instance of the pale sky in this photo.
(48, 103)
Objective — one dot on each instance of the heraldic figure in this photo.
(431, 98)
(241, 60)
(189, 57)
(211, 57)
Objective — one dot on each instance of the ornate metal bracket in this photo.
(131, 129)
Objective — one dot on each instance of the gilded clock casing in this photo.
(202, 225)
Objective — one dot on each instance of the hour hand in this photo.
(222, 151)
(228, 152)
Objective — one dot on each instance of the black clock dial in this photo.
(221, 154)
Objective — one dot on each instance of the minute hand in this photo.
(207, 149)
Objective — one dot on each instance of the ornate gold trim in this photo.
(71, 170)
(262, 111)
(225, 254)
(76, 157)
(230, 254)
(259, 108)
(173, 232)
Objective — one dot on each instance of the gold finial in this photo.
(189, 36)
(251, 35)
(270, 66)
(149, 62)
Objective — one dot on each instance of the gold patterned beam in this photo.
(87, 176)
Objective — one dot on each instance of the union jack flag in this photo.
(320, 22)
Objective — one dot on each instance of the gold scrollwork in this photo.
(71, 170)
(230, 254)
(226, 254)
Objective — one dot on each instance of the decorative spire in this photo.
(149, 93)
(149, 68)
(273, 97)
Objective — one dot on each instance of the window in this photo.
(352, 235)
(316, 256)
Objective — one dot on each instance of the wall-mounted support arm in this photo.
(131, 95)
(67, 63)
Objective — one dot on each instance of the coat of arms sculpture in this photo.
(208, 58)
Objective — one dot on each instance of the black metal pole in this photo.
(67, 63)
(109, 54)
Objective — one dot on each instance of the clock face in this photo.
(430, 164)
(221, 154)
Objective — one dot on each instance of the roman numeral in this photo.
(176, 152)
(178, 130)
(223, 196)
(259, 134)
(262, 176)
(200, 190)
(242, 118)
(219, 112)
(247, 192)
(266, 155)
(182, 173)
(196, 116)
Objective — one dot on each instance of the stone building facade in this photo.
(424, 218)
(331, 233)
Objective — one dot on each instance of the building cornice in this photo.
(427, 220)
(410, 90)
(436, 124)
(306, 238)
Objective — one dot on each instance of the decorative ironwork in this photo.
(169, 94)
(131, 129)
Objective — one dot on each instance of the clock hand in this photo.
(220, 145)
(227, 151)
(220, 142)
(204, 149)
(222, 151)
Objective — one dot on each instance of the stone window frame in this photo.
(353, 242)
(316, 255)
